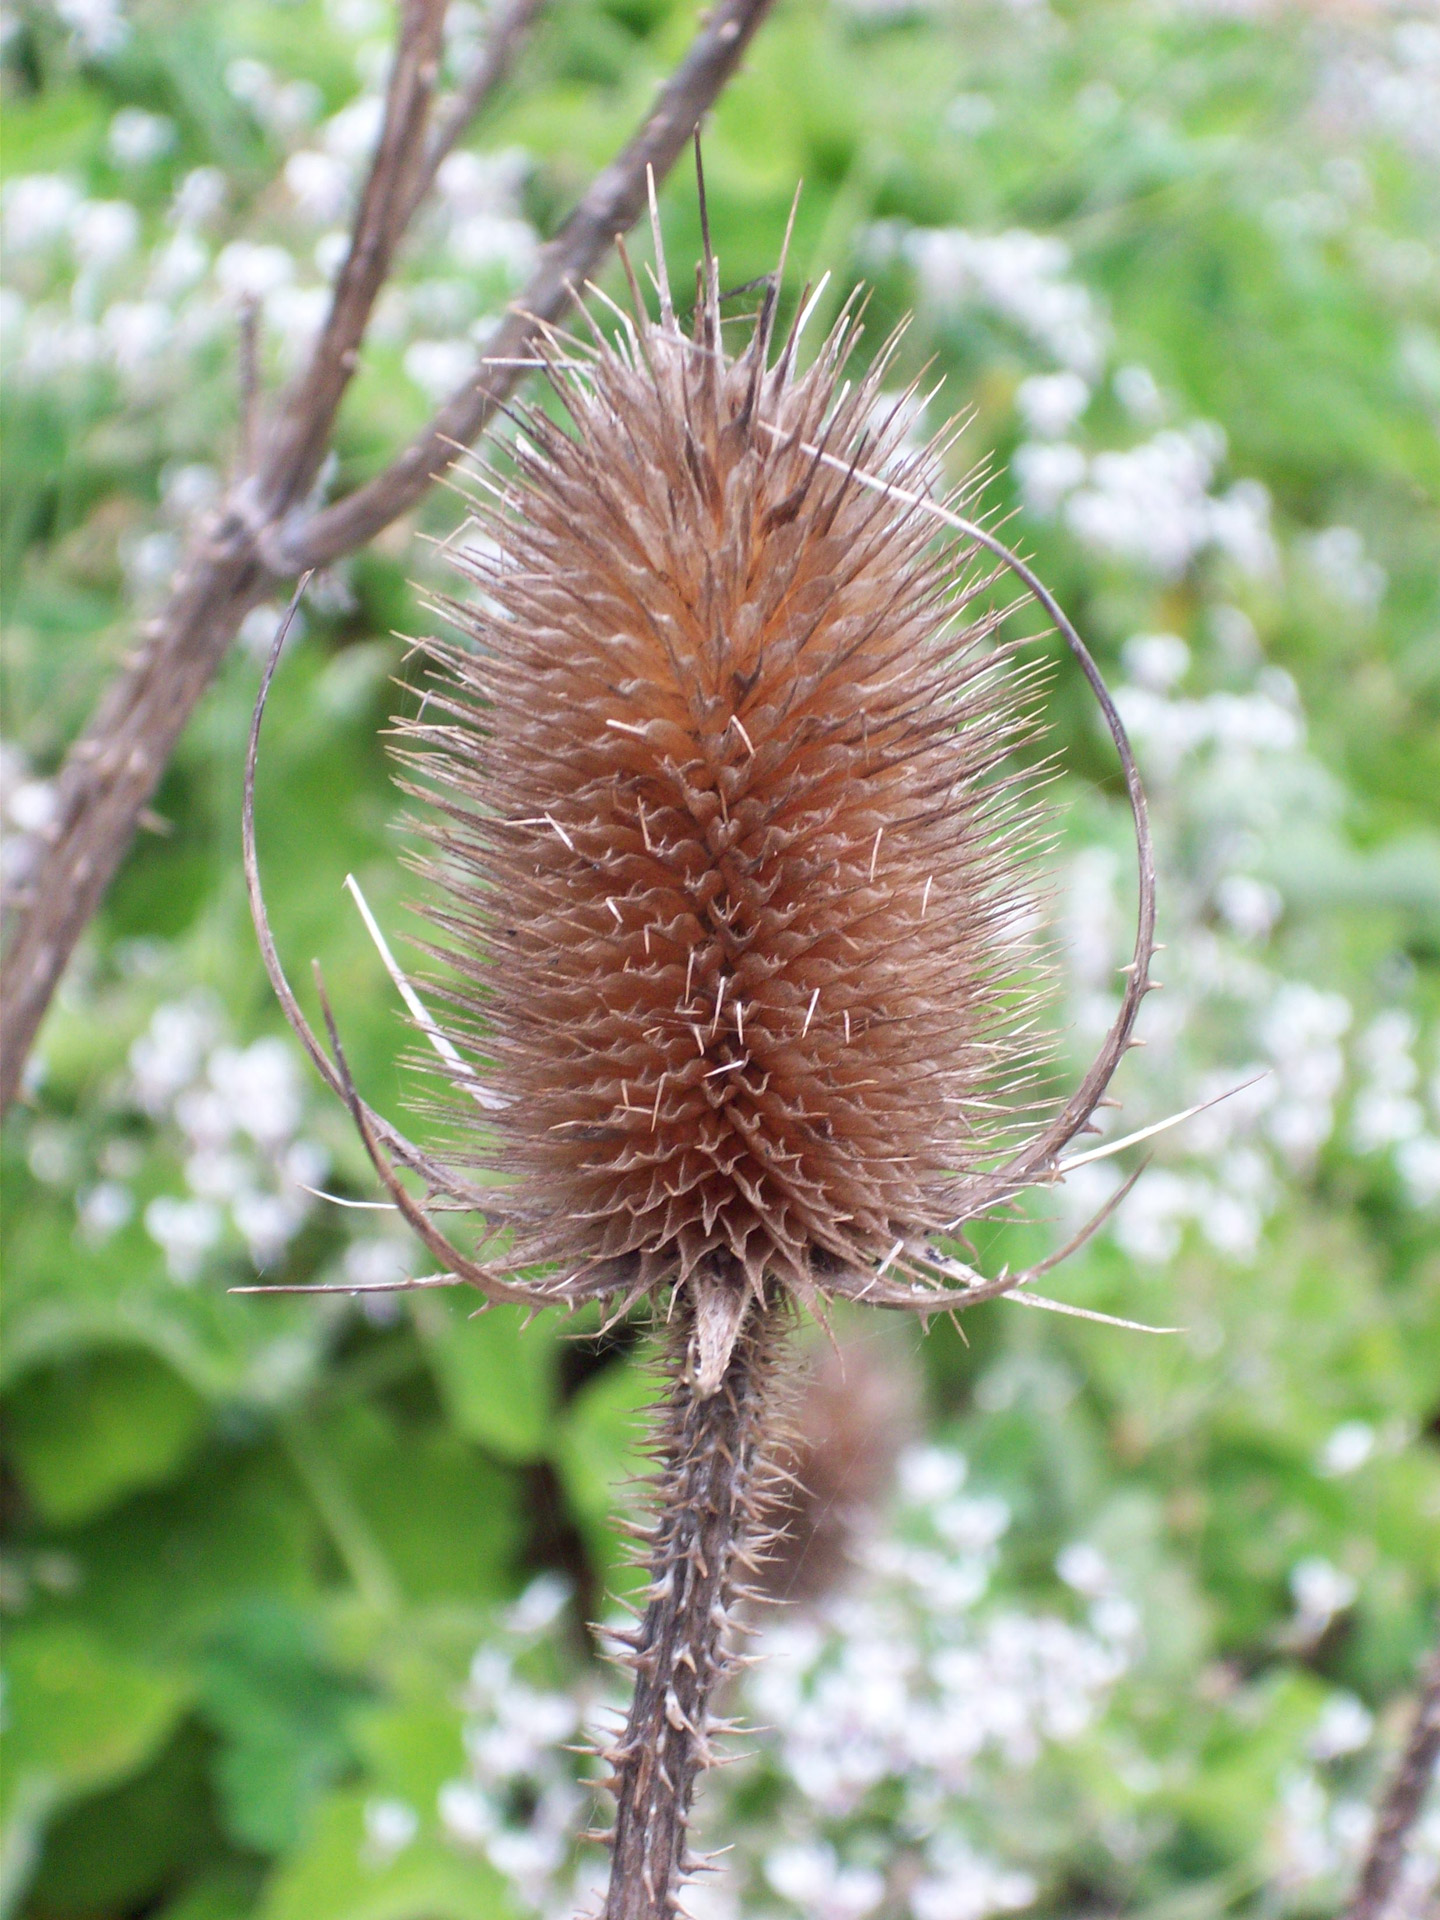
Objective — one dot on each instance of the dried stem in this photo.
(1401, 1806)
(610, 207)
(266, 529)
(505, 37)
(710, 1494)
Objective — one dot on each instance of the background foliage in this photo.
(295, 1588)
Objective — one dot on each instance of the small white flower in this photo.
(928, 1475)
(136, 333)
(482, 241)
(1418, 1163)
(1084, 1568)
(1137, 392)
(1250, 907)
(1320, 1591)
(319, 183)
(351, 134)
(1345, 1726)
(104, 232)
(32, 806)
(103, 1209)
(50, 1154)
(1340, 563)
(438, 367)
(1158, 661)
(187, 489)
(38, 209)
(247, 270)
(376, 1262)
(267, 1223)
(185, 1231)
(1046, 472)
(99, 26)
(470, 182)
(540, 1605)
(199, 197)
(466, 1813)
(137, 138)
(168, 1055)
(390, 1827)
(262, 1086)
(1051, 403)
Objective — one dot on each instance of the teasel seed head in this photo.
(734, 852)
(732, 862)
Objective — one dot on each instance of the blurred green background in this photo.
(1179, 260)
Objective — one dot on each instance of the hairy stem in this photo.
(1400, 1809)
(710, 1496)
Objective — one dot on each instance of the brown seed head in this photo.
(731, 869)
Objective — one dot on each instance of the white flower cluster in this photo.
(1225, 771)
(89, 291)
(520, 1802)
(99, 27)
(27, 816)
(1019, 276)
(238, 1112)
(1390, 1109)
(881, 1718)
(1152, 505)
(1322, 1829)
(893, 1706)
(1389, 82)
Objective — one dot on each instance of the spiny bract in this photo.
(732, 873)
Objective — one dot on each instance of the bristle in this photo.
(731, 871)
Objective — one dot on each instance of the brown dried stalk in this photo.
(1401, 1805)
(729, 854)
(711, 1494)
(267, 529)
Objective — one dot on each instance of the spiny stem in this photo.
(710, 1493)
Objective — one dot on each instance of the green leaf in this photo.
(226, 1894)
(443, 1519)
(281, 1710)
(496, 1375)
(341, 1874)
(83, 1434)
(167, 1568)
(598, 1449)
(116, 1852)
(79, 1717)
(380, 1853)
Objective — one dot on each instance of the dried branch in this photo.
(1401, 1806)
(611, 207)
(113, 769)
(301, 434)
(240, 551)
(506, 36)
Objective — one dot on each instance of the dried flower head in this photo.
(734, 862)
(732, 865)
(729, 864)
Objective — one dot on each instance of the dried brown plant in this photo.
(731, 858)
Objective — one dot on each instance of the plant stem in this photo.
(1400, 1809)
(710, 1490)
